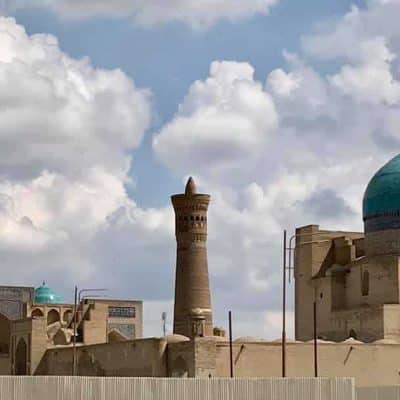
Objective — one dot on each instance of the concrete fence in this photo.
(378, 393)
(87, 388)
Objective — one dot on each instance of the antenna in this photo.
(164, 320)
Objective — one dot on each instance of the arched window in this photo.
(365, 283)
(52, 316)
(37, 312)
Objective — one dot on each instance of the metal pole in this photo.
(74, 336)
(284, 308)
(90, 290)
(315, 340)
(230, 343)
(164, 321)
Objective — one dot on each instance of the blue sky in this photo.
(281, 110)
(169, 58)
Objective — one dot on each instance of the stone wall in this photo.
(33, 333)
(370, 364)
(5, 364)
(13, 300)
(383, 242)
(141, 357)
(316, 251)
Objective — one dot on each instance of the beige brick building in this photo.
(353, 277)
(33, 321)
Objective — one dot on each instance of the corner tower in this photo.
(192, 310)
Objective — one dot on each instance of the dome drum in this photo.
(382, 221)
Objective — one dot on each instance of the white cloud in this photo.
(282, 83)
(65, 135)
(309, 160)
(272, 156)
(222, 121)
(197, 14)
(64, 114)
(371, 79)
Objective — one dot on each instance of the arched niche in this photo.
(52, 317)
(5, 332)
(179, 368)
(21, 357)
(37, 313)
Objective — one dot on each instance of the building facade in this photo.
(33, 321)
(353, 277)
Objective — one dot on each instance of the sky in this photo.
(281, 110)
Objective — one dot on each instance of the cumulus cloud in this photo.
(63, 113)
(222, 121)
(310, 155)
(297, 149)
(197, 14)
(66, 133)
(370, 79)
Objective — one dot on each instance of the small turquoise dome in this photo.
(44, 294)
(381, 204)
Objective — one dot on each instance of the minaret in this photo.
(192, 312)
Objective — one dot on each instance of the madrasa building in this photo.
(351, 279)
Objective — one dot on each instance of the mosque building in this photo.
(351, 280)
(353, 277)
(34, 320)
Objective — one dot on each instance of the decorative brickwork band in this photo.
(382, 221)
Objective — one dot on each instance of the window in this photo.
(122, 312)
(365, 283)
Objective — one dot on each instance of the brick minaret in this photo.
(192, 313)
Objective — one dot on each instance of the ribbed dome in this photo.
(44, 294)
(381, 204)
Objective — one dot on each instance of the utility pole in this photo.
(315, 339)
(74, 334)
(230, 343)
(284, 308)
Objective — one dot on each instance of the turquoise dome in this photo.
(44, 294)
(381, 204)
